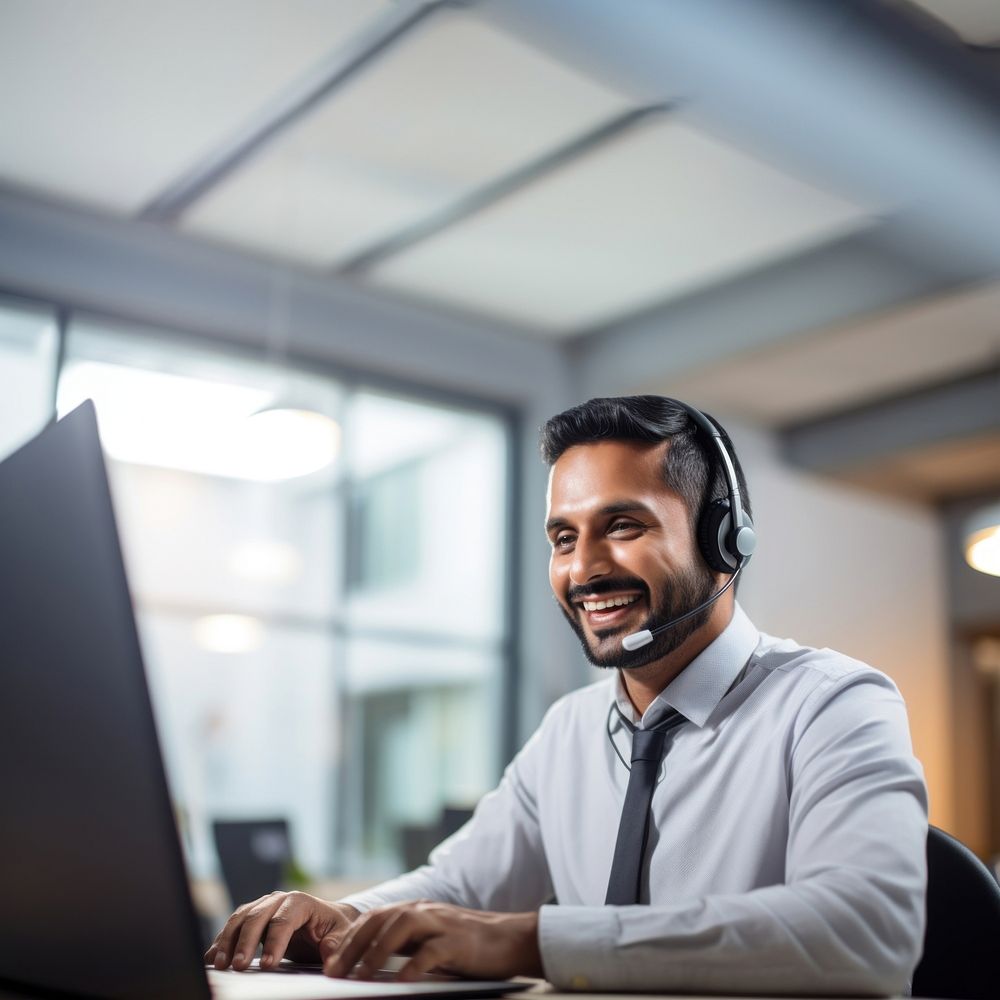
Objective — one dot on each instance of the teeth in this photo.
(614, 602)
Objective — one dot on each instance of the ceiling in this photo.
(576, 176)
(891, 373)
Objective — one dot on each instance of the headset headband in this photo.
(741, 539)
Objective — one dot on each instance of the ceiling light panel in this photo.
(976, 21)
(108, 102)
(662, 210)
(451, 106)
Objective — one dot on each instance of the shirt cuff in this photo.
(402, 889)
(574, 943)
(361, 901)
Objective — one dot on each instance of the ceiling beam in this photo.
(857, 96)
(861, 274)
(493, 191)
(956, 410)
(304, 95)
(151, 275)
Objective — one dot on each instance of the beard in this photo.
(685, 590)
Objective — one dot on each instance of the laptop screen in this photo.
(93, 881)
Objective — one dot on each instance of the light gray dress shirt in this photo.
(786, 851)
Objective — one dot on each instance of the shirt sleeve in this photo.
(495, 862)
(849, 918)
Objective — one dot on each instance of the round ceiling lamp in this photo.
(982, 540)
(286, 442)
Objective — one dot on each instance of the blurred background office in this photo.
(325, 267)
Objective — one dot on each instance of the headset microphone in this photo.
(726, 535)
(639, 639)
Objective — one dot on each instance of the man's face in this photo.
(623, 555)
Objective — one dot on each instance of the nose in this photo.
(591, 560)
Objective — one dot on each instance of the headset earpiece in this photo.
(714, 526)
(715, 537)
(726, 539)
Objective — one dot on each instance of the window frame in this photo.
(353, 379)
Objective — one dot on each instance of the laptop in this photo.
(95, 897)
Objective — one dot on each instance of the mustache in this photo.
(607, 586)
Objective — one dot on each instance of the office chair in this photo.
(963, 924)
(417, 840)
(254, 855)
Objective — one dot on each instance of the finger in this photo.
(221, 950)
(434, 953)
(252, 930)
(291, 914)
(357, 940)
(405, 928)
(330, 945)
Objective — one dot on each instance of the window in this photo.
(28, 344)
(425, 626)
(317, 568)
(384, 528)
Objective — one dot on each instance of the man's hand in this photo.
(305, 928)
(441, 938)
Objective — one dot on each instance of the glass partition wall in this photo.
(28, 351)
(318, 570)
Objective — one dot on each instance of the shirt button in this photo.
(579, 982)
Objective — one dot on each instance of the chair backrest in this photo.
(962, 940)
(254, 855)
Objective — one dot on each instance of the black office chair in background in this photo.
(255, 856)
(417, 840)
(963, 925)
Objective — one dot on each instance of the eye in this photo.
(563, 540)
(624, 528)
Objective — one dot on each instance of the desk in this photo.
(540, 990)
(551, 994)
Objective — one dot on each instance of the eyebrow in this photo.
(618, 507)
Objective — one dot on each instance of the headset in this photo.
(726, 536)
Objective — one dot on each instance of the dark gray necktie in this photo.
(633, 828)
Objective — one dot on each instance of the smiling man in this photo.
(726, 812)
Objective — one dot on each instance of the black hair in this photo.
(691, 466)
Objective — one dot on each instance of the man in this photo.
(784, 845)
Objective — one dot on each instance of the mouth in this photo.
(610, 610)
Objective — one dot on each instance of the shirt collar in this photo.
(704, 682)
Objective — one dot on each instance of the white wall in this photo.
(844, 569)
